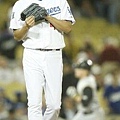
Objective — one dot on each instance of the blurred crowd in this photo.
(107, 9)
(106, 67)
(13, 110)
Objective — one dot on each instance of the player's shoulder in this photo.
(17, 4)
(63, 1)
(20, 5)
(90, 77)
(92, 81)
(88, 81)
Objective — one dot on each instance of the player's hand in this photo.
(30, 21)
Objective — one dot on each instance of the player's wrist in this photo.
(48, 17)
(26, 25)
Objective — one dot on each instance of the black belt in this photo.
(48, 49)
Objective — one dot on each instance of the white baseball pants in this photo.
(43, 69)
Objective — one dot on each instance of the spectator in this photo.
(11, 115)
(110, 51)
(6, 75)
(113, 11)
(3, 98)
(20, 105)
(85, 94)
(68, 109)
(112, 94)
(87, 51)
(20, 111)
(3, 111)
(87, 9)
(7, 43)
(19, 99)
(18, 72)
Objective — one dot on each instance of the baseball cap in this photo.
(86, 64)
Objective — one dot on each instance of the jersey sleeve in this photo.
(15, 18)
(66, 12)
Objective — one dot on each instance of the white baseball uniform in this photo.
(97, 112)
(43, 69)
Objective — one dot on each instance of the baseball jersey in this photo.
(42, 35)
(88, 81)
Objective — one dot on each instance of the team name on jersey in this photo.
(69, 10)
(54, 10)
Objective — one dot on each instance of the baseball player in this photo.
(42, 56)
(85, 93)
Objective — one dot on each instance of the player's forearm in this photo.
(19, 34)
(61, 25)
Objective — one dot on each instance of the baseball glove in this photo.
(35, 10)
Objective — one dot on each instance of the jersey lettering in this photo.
(54, 10)
(69, 10)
